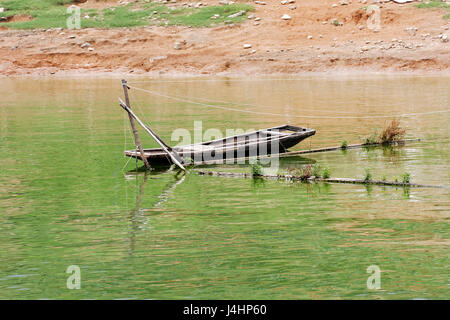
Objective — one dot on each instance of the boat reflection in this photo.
(136, 216)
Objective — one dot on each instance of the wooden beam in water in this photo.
(314, 179)
(133, 127)
(153, 135)
(352, 146)
(295, 153)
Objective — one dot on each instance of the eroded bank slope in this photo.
(409, 39)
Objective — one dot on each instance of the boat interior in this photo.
(231, 142)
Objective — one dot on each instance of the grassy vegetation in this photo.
(202, 17)
(344, 144)
(45, 13)
(326, 173)
(53, 14)
(435, 4)
(368, 175)
(372, 139)
(306, 172)
(316, 170)
(406, 178)
(256, 169)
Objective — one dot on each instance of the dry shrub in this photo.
(392, 132)
(305, 172)
(302, 173)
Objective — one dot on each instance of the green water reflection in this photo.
(65, 198)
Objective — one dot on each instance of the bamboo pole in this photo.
(133, 127)
(352, 146)
(150, 132)
(314, 179)
(327, 149)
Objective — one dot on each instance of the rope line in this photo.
(253, 105)
(284, 115)
(210, 80)
(146, 120)
(259, 106)
(129, 158)
(125, 141)
(217, 80)
(124, 134)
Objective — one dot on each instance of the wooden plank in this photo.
(295, 153)
(150, 132)
(314, 179)
(133, 127)
(352, 146)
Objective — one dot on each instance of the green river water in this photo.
(65, 198)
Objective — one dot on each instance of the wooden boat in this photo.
(257, 143)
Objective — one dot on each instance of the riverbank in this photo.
(409, 40)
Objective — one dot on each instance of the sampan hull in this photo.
(258, 143)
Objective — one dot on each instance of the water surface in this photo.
(67, 199)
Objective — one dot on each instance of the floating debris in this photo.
(287, 177)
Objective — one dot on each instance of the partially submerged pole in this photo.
(316, 179)
(170, 152)
(133, 127)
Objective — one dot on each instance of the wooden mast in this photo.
(171, 153)
(133, 127)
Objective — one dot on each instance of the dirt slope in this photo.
(305, 43)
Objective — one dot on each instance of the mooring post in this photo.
(166, 148)
(133, 127)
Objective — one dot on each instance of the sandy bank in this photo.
(308, 42)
